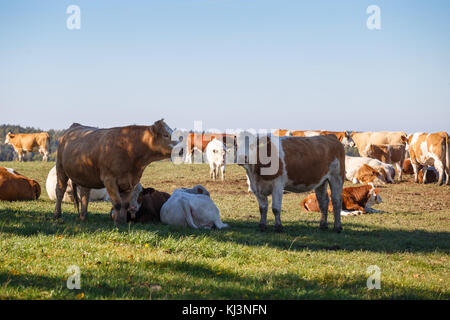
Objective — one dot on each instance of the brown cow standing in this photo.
(16, 187)
(29, 142)
(112, 158)
(392, 154)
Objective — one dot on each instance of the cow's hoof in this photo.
(279, 229)
(83, 218)
(323, 226)
(262, 227)
(337, 229)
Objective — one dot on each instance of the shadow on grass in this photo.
(197, 281)
(298, 235)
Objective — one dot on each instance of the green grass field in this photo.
(410, 243)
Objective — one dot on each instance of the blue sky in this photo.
(230, 63)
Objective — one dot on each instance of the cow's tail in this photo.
(447, 153)
(303, 204)
(76, 202)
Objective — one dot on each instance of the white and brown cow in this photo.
(430, 149)
(29, 142)
(363, 140)
(392, 154)
(297, 164)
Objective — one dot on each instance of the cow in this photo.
(355, 200)
(431, 175)
(216, 155)
(149, 202)
(391, 154)
(113, 158)
(366, 174)
(352, 165)
(29, 142)
(343, 136)
(16, 187)
(296, 164)
(430, 149)
(191, 208)
(363, 140)
(200, 141)
(50, 186)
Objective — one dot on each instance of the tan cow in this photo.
(363, 140)
(29, 142)
(430, 149)
(343, 136)
(296, 164)
(16, 187)
(112, 158)
(367, 174)
(392, 154)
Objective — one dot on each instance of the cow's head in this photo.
(162, 138)
(36, 189)
(8, 137)
(219, 151)
(347, 140)
(374, 196)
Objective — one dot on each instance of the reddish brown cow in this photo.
(355, 200)
(16, 187)
(112, 158)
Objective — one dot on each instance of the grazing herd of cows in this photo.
(107, 164)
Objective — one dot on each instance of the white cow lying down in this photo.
(352, 165)
(191, 208)
(50, 185)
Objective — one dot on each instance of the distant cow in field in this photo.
(391, 154)
(355, 200)
(112, 158)
(200, 141)
(191, 208)
(29, 142)
(353, 164)
(50, 186)
(216, 155)
(16, 187)
(431, 149)
(296, 164)
(363, 140)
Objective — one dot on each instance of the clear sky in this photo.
(231, 63)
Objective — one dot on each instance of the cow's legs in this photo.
(44, 154)
(277, 198)
(212, 171)
(61, 186)
(336, 185)
(424, 171)
(222, 169)
(84, 193)
(20, 154)
(119, 214)
(440, 168)
(416, 172)
(399, 170)
(322, 199)
(263, 207)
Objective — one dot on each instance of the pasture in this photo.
(410, 243)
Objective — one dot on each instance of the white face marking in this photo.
(10, 170)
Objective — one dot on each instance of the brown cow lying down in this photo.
(366, 174)
(113, 158)
(149, 202)
(16, 187)
(355, 200)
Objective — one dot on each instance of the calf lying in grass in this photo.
(355, 200)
